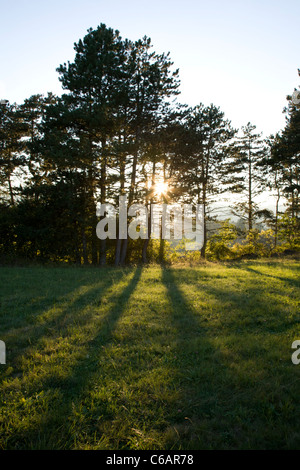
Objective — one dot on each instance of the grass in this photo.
(150, 358)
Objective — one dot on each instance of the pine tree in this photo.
(203, 156)
(12, 158)
(286, 150)
(243, 173)
(151, 83)
(95, 84)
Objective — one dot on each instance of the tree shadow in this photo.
(265, 313)
(229, 397)
(54, 425)
(198, 363)
(292, 282)
(208, 391)
(54, 321)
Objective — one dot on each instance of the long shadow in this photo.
(73, 386)
(32, 308)
(49, 323)
(208, 386)
(269, 314)
(272, 316)
(198, 364)
(222, 400)
(292, 282)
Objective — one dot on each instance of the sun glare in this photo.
(161, 188)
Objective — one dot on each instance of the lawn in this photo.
(150, 358)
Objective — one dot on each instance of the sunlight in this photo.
(161, 187)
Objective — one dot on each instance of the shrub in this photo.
(219, 245)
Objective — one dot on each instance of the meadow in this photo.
(190, 357)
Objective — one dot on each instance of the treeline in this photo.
(119, 130)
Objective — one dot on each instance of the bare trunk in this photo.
(162, 241)
(276, 212)
(124, 251)
(118, 252)
(102, 257)
(146, 242)
(203, 249)
(84, 247)
(12, 201)
(130, 200)
(204, 202)
(250, 205)
(122, 190)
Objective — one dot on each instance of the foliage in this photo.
(257, 244)
(289, 231)
(118, 130)
(243, 173)
(219, 244)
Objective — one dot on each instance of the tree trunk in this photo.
(77, 243)
(12, 201)
(118, 252)
(102, 258)
(146, 242)
(276, 212)
(84, 247)
(94, 235)
(203, 249)
(124, 251)
(131, 193)
(250, 206)
(122, 191)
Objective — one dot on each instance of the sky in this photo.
(242, 56)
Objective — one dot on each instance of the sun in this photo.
(161, 187)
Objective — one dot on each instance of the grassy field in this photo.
(150, 358)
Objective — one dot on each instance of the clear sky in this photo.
(241, 55)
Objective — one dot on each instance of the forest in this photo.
(119, 129)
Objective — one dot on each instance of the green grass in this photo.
(150, 358)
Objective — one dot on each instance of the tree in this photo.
(12, 129)
(161, 164)
(33, 112)
(282, 168)
(95, 84)
(219, 243)
(151, 83)
(203, 155)
(243, 173)
(273, 169)
(115, 88)
(286, 155)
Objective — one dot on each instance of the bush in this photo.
(256, 244)
(219, 245)
(289, 233)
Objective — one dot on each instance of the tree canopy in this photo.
(118, 129)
